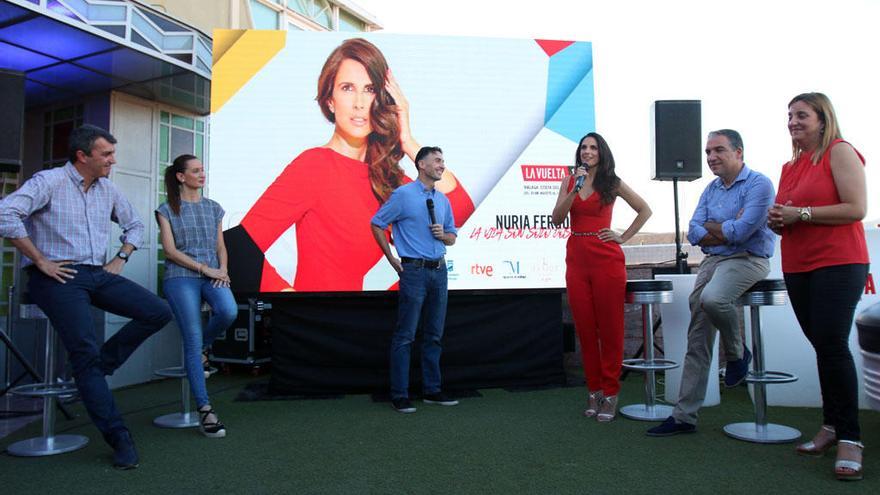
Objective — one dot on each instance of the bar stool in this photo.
(185, 418)
(646, 293)
(49, 391)
(768, 292)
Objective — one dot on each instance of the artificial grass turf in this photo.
(502, 442)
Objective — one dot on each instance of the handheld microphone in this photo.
(579, 183)
(430, 204)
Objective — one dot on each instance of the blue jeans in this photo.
(422, 297)
(69, 308)
(185, 296)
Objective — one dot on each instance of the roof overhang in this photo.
(68, 49)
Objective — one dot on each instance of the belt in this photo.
(585, 234)
(421, 263)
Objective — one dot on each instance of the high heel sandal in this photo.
(607, 410)
(594, 401)
(848, 469)
(811, 449)
(211, 429)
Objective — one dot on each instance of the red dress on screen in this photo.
(595, 277)
(808, 246)
(330, 199)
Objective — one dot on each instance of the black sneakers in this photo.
(402, 405)
(439, 398)
(670, 427)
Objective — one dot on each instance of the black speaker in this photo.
(677, 140)
(12, 121)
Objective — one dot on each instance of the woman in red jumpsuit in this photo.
(331, 192)
(595, 267)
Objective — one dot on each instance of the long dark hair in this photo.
(383, 144)
(605, 181)
(172, 185)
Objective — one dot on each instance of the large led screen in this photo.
(507, 113)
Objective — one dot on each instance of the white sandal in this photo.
(594, 401)
(810, 449)
(846, 469)
(608, 410)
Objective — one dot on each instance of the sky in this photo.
(744, 60)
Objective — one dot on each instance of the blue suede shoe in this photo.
(737, 370)
(670, 427)
(124, 454)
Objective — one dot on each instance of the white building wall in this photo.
(134, 123)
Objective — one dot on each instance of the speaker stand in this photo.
(681, 266)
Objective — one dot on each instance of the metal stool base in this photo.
(644, 412)
(43, 446)
(769, 433)
(177, 420)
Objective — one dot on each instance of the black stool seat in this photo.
(767, 292)
(868, 324)
(768, 285)
(648, 285)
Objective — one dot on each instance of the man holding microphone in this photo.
(422, 226)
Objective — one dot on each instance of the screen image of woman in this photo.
(330, 192)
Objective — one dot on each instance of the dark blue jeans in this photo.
(422, 298)
(69, 308)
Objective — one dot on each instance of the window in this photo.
(264, 17)
(57, 126)
(348, 22)
(318, 11)
(8, 183)
(303, 15)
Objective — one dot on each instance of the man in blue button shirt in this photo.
(422, 226)
(730, 225)
(60, 222)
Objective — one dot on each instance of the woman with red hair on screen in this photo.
(331, 192)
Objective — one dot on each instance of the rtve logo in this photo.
(478, 269)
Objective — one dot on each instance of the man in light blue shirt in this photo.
(422, 226)
(730, 225)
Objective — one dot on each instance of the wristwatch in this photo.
(805, 213)
(123, 256)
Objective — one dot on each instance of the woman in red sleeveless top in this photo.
(595, 273)
(819, 207)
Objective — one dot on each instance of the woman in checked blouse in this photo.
(195, 271)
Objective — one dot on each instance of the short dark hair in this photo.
(425, 151)
(736, 141)
(83, 139)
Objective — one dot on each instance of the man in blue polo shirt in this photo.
(422, 226)
(730, 226)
